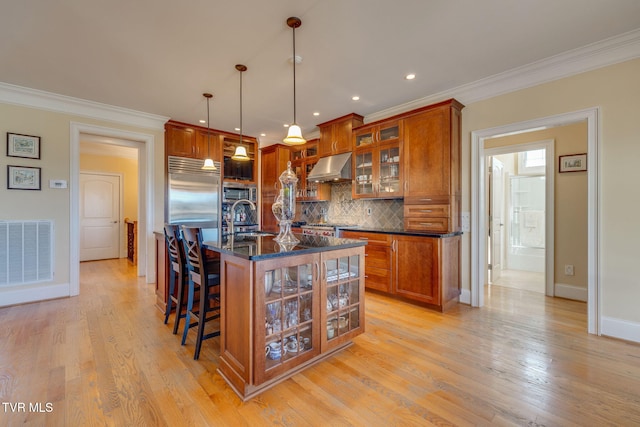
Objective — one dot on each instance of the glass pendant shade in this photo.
(208, 165)
(294, 137)
(240, 153)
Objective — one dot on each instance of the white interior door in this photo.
(99, 216)
(497, 218)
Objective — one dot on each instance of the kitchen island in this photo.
(285, 308)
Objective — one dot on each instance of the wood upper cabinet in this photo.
(432, 172)
(432, 151)
(303, 159)
(208, 146)
(184, 140)
(375, 133)
(179, 140)
(336, 135)
(274, 160)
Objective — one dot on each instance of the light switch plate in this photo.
(57, 183)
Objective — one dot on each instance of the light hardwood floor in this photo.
(106, 358)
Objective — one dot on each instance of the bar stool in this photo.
(203, 276)
(177, 275)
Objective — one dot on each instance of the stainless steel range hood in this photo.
(331, 169)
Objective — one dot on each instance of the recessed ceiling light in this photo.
(286, 125)
(203, 121)
(263, 134)
(237, 129)
(410, 76)
(355, 98)
(316, 114)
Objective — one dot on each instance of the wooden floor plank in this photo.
(106, 358)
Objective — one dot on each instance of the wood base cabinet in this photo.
(417, 268)
(379, 265)
(428, 270)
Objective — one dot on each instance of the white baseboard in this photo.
(571, 292)
(465, 296)
(32, 293)
(622, 329)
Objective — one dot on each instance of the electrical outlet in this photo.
(465, 219)
(369, 211)
(568, 270)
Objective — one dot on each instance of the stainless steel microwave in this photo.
(232, 192)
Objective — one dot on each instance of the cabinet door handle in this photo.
(426, 210)
(426, 200)
(317, 270)
(406, 186)
(363, 238)
(394, 245)
(426, 223)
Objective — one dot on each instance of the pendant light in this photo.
(241, 151)
(208, 162)
(294, 136)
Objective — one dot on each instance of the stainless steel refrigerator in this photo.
(194, 195)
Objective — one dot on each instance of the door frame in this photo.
(478, 200)
(549, 200)
(144, 143)
(122, 247)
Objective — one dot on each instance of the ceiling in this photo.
(159, 56)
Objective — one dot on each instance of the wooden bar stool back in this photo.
(177, 275)
(202, 277)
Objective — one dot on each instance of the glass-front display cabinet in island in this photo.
(290, 311)
(343, 297)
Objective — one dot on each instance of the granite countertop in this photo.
(258, 248)
(399, 231)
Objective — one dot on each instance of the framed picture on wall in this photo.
(573, 163)
(23, 178)
(27, 146)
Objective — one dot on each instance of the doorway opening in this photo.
(520, 212)
(143, 144)
(479, 200)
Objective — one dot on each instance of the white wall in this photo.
(616, 90)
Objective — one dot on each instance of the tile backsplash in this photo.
(342, 209)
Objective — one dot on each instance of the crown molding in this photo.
(33, 98)
(624, 47)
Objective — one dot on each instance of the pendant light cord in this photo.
(240, 107)
(208, 132)
(294, 75)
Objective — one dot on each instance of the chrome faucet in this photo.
(233, 213)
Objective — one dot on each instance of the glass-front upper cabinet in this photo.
(378, 172)
(364, 176)
(377, 133)
(389, 180)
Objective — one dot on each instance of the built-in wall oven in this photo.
(232, 192)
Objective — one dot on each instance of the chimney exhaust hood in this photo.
(331, 169)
